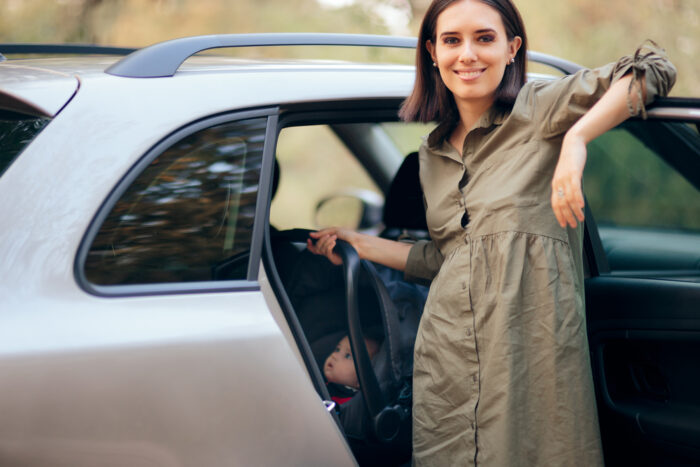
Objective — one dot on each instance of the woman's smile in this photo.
(470, 74)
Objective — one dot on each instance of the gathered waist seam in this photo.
(467, 238)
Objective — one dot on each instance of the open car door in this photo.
(642, 183)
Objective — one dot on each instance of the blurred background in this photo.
(589, 32)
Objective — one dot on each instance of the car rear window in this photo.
(16, 132)
(188, 216)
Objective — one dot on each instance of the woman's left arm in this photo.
(611, 110)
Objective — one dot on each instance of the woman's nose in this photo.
(467, 54)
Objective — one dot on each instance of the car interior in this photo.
(359, 298)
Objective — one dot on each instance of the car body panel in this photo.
(172, 380)
(35, 91)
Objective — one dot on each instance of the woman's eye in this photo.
(450, 40)
(486, 39)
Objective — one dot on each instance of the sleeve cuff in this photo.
(650, 62)
(423, 262)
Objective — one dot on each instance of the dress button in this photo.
(464, 286)
(473, 426)
(475, 378)
(469, 332)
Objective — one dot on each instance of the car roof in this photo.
(54, 80)
(34, 90)
(343, 80)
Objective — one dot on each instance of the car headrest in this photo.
(403, 207)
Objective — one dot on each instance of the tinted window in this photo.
(188, 216)
(641, 182)
(16, 132)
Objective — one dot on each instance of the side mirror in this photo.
(354, 209)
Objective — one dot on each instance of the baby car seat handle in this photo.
(369, 385)
(386, 420)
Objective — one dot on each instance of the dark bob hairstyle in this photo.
(430, 99)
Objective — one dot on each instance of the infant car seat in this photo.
(331, 302)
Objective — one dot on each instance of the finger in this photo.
(312, 248)
(562, 211)
(322, 232)
(574, 200)
(568, 217)
(321, 245)
(578, 202)
(557, 208)
(576, 209)
(330, 244)
(565, 205)
(327, 245)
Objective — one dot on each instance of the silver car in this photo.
(157, 306)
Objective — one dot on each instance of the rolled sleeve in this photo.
(559, 104)
(423, 263)
(651, 63)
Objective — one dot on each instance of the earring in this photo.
(512, 60)
(434, 65)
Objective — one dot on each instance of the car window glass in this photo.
(188, 216)
(315, 167)
(16, 132)
(407, 136)
(641, 188)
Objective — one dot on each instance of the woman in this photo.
(502, 373)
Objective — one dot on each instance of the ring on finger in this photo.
(560, 192)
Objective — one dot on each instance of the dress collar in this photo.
(437, 139)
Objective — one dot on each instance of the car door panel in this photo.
(196, 379)
(645, 342)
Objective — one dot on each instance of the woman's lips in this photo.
(470, 75)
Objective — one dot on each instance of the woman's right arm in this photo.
(420, 261)
(376, 249)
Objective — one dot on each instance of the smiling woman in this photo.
(502, 373)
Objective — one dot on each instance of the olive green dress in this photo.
(502, 371)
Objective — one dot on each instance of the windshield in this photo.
(16, 132)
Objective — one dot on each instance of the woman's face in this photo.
(472, 50)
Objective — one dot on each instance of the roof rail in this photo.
(565, 66)
(163, 59)
(57, 49)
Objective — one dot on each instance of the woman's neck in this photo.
(471, 111)
(469, 114)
